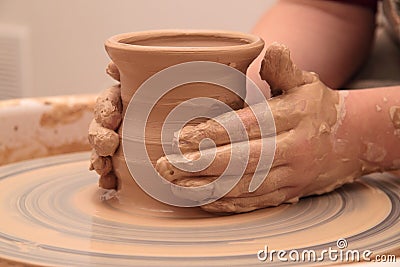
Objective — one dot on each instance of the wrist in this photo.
(368, 129)
(347, 143)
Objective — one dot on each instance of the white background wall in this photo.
(66, 36)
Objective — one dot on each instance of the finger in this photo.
(278, 70)
(224, 154)
(287, 112)
(108, 108)
(113, 71)
(198, 192)
(104, 141)
(245, 204)
(102, 165)
(108, 181)
(191, 136)
(278, 177)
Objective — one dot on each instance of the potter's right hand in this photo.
(308, 158)
(102, 131)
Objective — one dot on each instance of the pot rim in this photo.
(249, 40)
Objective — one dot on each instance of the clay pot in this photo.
(139, 55)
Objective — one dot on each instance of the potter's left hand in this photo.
(102, 134)
(308, 158)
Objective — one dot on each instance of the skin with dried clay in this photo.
(320, 145)
(102, 136)
(325, 138)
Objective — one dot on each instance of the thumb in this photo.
(278, 70)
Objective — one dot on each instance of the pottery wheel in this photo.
(52, 215)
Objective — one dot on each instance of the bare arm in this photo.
(327, 37)
(371, 124)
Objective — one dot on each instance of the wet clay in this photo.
(108, 108)
(377, 141)
(56, 218)
(307, 116)
(103, 140)
(136, 57)
(312, 156)
(374, 152)
(395, 116)
(315, 114)
(318, 145)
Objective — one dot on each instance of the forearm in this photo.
(371, 125)
(326, 37)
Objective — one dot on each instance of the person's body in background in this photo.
(331, 38)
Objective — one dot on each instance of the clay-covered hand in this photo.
(309, 157)
(102, 131)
